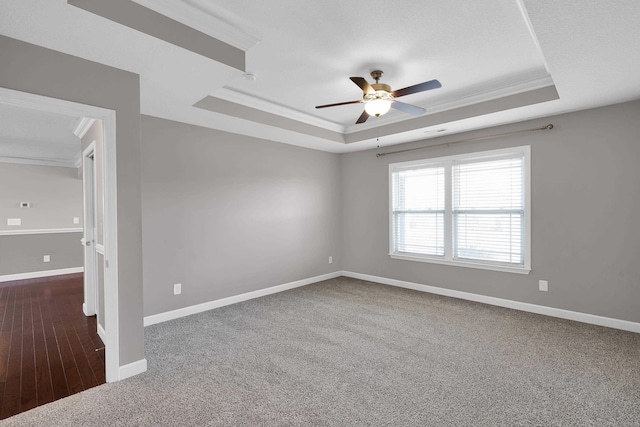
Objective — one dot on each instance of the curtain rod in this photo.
(478, 138)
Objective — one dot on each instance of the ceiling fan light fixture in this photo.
(377, 107)
(378, 97)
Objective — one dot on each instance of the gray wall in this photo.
(24, 253)
(55, 194)
(585, 205)
(29, 68)
(225, 214)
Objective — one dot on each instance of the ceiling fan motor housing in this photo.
(381, 87)
(382, 91)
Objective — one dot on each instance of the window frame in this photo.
(447, 162)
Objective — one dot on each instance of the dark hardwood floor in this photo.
(48, 348)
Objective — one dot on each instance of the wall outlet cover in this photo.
(177, 289)
(76, 220)
(46, 258)
(543, 285)
(14, 221)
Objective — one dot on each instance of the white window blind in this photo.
(488, 210)
(418, 211)
(471, 210)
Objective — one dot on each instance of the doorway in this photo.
(108, 298)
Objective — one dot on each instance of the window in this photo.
(471, 210)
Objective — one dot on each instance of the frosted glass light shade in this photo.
(377, 107)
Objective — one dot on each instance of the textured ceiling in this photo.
(304, 51)
(310, 49)
(38, 135)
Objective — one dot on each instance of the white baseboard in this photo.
(131, 369)
(609, 322)
(102, 334)
(38, 274)
(187, 311)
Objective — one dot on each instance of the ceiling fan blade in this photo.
(408, 108)
(363, 84)
(363, 118)
(339, 103)
(431, 84)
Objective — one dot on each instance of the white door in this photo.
(90, 306)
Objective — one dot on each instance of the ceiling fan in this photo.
(378, 97)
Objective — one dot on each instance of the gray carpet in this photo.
(350, 353)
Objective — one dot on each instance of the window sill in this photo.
(501, 268)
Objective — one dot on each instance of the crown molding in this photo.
(38, 162)
(201, 16)
(532, 33)
(242, 98)
(83, 126)
(480, 94)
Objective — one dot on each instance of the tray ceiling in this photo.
(499, 61)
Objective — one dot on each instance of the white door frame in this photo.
(110, 227)
(90, 306)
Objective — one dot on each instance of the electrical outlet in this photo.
(76, 220)
(46, 258)
(177, 289)
(543, 285)
(330, 260)
(14, 221)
